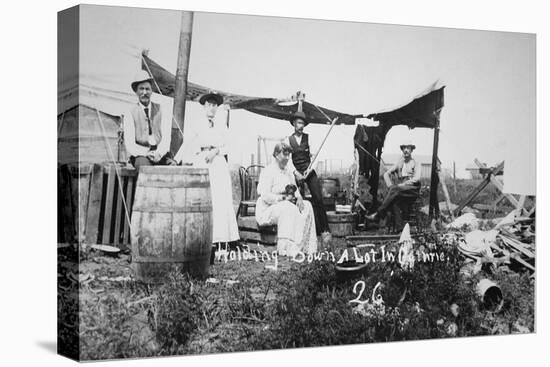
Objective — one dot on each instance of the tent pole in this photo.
(434, 205)
(259, 149)
(181, 80)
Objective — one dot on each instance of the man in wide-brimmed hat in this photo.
(301, 159)
(408, 172)
(146, 130)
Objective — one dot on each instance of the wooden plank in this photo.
(127, 172)
(517, 246)
(497, 201)
(94, 204)
(73, 178)
(447, 197)
(129, 202)
(471, 197)
(496, 182)
(434, 179)
(255, 237)
(532, 210)
(106, 237)
(84, 178)
(118, 211)
(500, 186)
(66, 207)
(522, 262)
(480, 187)
(521, 202)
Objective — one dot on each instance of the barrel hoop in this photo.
(178, 209)
(173, 170)
(173, 185)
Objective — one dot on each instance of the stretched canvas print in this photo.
(241, 183)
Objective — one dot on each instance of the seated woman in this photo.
(295, 222)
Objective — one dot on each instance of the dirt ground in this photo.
(117, 316)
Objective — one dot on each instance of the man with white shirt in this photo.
(408, 172)
(301, 159)
(146, 130)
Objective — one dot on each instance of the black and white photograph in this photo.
(238, 183)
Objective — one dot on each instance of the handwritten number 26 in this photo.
(362, 285)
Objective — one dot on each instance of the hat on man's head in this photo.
(408, 143)
(211, 96)
(140, 77)
(298, 115)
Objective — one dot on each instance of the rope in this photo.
(112, 156)
(324, 114)
(366, 151)
(381, 161)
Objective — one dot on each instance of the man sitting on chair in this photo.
(407, 187)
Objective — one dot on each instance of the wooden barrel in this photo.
(171, 222)
(329, 187)
(341, 225)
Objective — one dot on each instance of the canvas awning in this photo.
(422, 111)
(268, 107)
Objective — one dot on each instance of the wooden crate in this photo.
(249, 231)
(90, 205)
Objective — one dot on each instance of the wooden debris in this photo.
(517, 245)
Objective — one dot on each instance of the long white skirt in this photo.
(224, 221)
(295, 229)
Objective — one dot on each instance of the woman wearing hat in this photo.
(408, 182)
(210, 144)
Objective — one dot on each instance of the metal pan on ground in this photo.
(350, 269)
(106, 249)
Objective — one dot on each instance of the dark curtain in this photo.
(369, 141)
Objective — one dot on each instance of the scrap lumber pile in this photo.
(511, 242)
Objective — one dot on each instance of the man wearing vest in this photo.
(146, 130)
(301, 158)
(407, 186)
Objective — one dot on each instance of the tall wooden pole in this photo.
(434, 204)
(454, 177)
(181, 81)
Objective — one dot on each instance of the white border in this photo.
(29, 182)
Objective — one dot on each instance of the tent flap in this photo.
(422, 111)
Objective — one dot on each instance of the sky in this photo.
(351, 67)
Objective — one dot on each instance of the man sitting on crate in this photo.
(146, 130)
(301, 159)
(407, 187)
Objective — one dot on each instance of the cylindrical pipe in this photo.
(490, 294)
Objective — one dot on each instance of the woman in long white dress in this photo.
(295, 222)
(210, 145)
